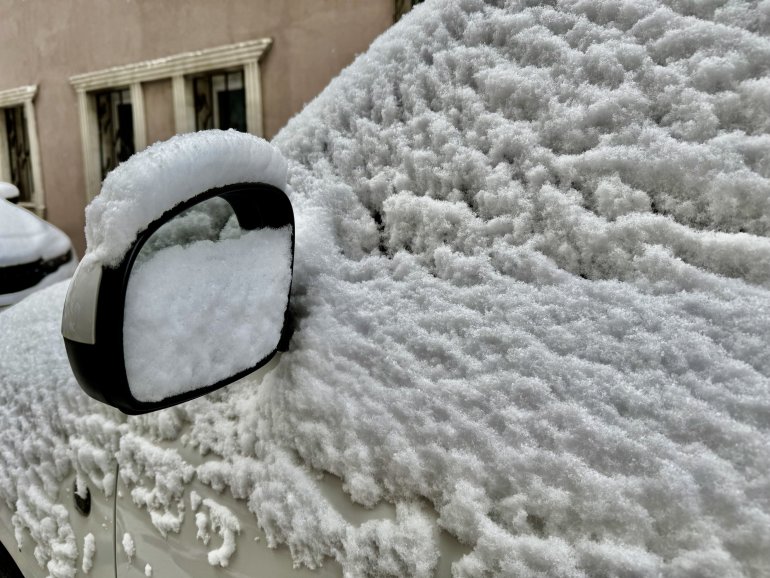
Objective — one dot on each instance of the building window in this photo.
(116, 128)
(220, 101)
(212, 88)
(19, 161)
(19, 147)
(404, 6)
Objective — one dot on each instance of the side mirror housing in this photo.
(199, 299)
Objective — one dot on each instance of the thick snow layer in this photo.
(531, 289)
(165, 174)
(230, 294)
(532, 283)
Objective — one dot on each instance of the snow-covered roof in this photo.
(532, 287)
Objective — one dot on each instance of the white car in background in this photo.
(529, 291)
(33, 253)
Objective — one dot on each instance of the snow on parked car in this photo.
(532, 294)
(33, 253)
(8, 191)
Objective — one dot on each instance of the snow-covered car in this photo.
(531, 305)
(33, 253)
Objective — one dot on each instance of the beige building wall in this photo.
(159, 106)
(45, 42)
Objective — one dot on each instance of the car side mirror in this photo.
(200, 299)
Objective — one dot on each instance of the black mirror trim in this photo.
(100, 367)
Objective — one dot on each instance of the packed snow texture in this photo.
(167, 173)
(531, 288)
(198, 313)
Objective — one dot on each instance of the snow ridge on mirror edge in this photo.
(140, 190)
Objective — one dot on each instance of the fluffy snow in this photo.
(195, 500)
(89, 549)
(531, 291)
(230, 294)
(539, 238)
(202, 525)
(225, 524)
(167, 173)
(158, 477)
(46, 521)
(129, 549)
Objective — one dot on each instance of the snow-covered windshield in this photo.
(532, 290)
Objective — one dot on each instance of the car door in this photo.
(86, 523)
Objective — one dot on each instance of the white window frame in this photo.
(179, 68)
(23, 96)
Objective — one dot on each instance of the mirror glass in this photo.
(205, 300)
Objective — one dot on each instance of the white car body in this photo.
(185, 553)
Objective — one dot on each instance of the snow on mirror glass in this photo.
(205, 300)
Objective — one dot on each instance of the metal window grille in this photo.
(18, 151)
(404, 6)
(116, 128)
(220, 101)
